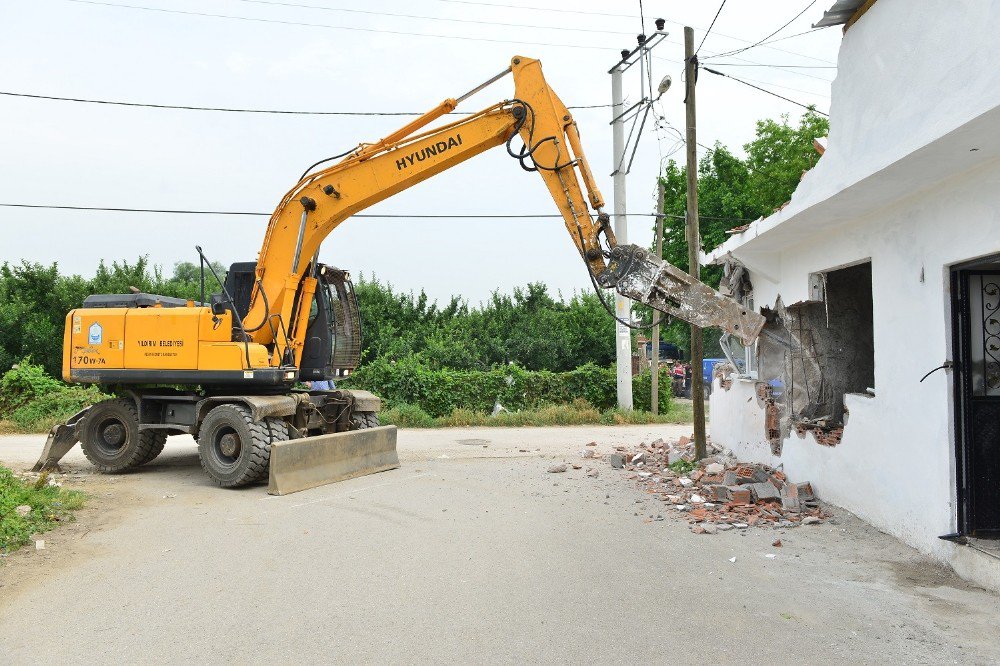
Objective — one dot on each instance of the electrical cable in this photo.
(237, 110)
(710, 26)
(760, 42)
(431, 18)
(774, 94)
(740, 64)
(251, 19)
(390, 216)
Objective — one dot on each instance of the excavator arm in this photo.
(321, 201)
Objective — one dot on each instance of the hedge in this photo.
(439, 392)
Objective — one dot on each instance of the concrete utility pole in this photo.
(623, 336)
(619, 114)
(694, 241)
(655, 364)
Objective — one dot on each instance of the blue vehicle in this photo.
(708, 367)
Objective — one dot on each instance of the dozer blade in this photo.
(61, 439)
(300, 464)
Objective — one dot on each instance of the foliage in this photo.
(733, 191)
(409, 383)
(33, 401)
(529, 328)
(34, 301)
(642, 391)
(683, 466)
(49, 505)
(577, 412)
(440, 391)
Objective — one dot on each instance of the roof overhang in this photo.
(808, 215)
(842, 11)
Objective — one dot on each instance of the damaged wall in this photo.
(819, 351)
(907, 427)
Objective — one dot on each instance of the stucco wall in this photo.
(894, 466)
(907, 73)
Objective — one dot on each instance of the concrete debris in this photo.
(721, 492)
(22, 510)
(557, 469)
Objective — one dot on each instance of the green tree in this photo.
(732, 191)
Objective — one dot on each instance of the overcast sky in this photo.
(349, 56)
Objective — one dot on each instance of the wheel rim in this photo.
(111, 436)
(226, 445)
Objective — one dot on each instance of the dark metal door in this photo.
(977, 395)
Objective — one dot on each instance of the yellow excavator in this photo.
(225, 370)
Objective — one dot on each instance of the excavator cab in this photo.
(332, 343)
(332, 347)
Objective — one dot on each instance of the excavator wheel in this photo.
(364, 420)
(111, 440)
(233, 448)
(159, 441)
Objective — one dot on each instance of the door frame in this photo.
(961, 329)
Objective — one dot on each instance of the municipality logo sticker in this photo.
(95, 334)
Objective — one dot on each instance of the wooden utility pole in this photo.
(694, 240)
(655, 363)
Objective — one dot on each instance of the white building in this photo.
(884, 266)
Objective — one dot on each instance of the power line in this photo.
(710, 26)
(430, 18)
(333, 27)
(233, 110)
(623, 16)
(758, 43)
(740, 64)
(804, 106)
(360, 29)
(454, 216)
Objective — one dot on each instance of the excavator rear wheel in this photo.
(363, 420)
(159, 441)
(233, 448)
(111, 439)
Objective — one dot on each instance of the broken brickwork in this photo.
(813, 353)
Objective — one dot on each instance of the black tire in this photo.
(159, 441)
(111, 440)
(233, 448)
(364, 420)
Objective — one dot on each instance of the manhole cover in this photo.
(474, 442)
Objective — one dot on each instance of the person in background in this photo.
(321, 385)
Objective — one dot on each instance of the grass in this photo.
(50, 505)
(578, 412)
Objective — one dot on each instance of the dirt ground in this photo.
(470, 551)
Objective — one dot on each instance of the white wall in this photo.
(895, 464)
(907, 73)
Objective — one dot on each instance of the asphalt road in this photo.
(471, 552)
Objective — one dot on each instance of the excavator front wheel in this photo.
(233, 448)
(111, 439)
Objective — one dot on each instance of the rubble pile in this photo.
(718, 492)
